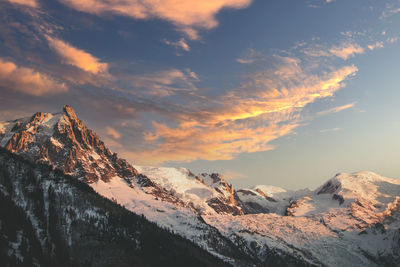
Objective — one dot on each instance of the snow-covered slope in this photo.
(351, 220)
(206, 193)
(267, 199)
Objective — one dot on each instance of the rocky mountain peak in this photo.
(65, 142)
(69, 111)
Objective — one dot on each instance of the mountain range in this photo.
(67, 197)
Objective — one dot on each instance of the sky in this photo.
(279, 92)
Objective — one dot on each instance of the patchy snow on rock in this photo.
(270, 190)
(269, 199)
(182, 184)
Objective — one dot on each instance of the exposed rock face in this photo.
(63, 141)
(290, 209)
(226, 202)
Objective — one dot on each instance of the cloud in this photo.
(27, 80)
(113, 133)
(265, 107)
(165, 83)
(329, 130)
(392, 40)
(390, 11)
(77, 57)
(376, 45)
(188, 16)
(346, 50)
(181, 44)
(192, 75)
(29, 3)
(336, 109)
(250, 57)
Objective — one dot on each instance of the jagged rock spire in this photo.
(69, 111)
(65, 142)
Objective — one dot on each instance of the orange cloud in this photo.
(27, 80)
(376, 45)
(113, 133)
(346, 50)
(29, 3)
(77, 57)
(187, 15)
(264, 108)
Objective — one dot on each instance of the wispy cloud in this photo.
(329, 130)
(346, 50)
(188, 16)
(77, 57)
(390, 10)
(113, 133)
(29, 3)
(181, 44)
(336, 109)
(375, 45)
(392, 40)
(165, 83)
(27, 80)
(250, 57)
(265, 107)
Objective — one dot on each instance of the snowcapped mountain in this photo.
(62, 141)
(351, 220)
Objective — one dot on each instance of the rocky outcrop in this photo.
(226, 202)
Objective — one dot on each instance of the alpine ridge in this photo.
(352, 219)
